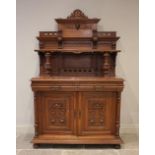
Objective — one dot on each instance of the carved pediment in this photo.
(77, 14)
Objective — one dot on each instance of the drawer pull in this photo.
(62, 121)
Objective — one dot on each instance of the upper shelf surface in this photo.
(77, 50)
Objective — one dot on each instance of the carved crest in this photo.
(77, 14)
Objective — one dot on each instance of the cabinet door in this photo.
(57, 115)
(97, 113)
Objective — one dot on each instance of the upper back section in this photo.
(77, 25)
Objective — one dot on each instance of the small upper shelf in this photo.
(77, 34)
(76, 50)
(101, 36)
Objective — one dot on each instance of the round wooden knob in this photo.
(92, 121)
(53, 120)
(101, 120)
(62, 120)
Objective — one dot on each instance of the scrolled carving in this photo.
(57, 114)
(77, 14)
(96, 114)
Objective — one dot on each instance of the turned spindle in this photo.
(59, 38)
(47, 64)
(95, 39)
(106, 64)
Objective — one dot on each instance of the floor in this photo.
(130, 147)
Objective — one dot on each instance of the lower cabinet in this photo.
(69, 117)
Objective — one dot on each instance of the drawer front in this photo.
(78, 88)
(61, 88)
(91, 88)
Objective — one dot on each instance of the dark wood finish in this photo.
(77, 96)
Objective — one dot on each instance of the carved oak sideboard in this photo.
(77, 95)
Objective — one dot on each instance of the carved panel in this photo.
(95, 113)
(98, 113)
(57, 113)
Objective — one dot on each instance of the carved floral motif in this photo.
(95, 113)
(77, 14)
(57, 113)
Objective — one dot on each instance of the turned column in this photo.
(36, 114)
(117, 123)
(106, 64)
(95, 39)
(59, 38)
(47, 64)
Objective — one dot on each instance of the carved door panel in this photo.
(97, 113)
(58, 113)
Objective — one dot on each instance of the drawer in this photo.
(61, 88)
(80, 85)
(91, 88)
(76, 88)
